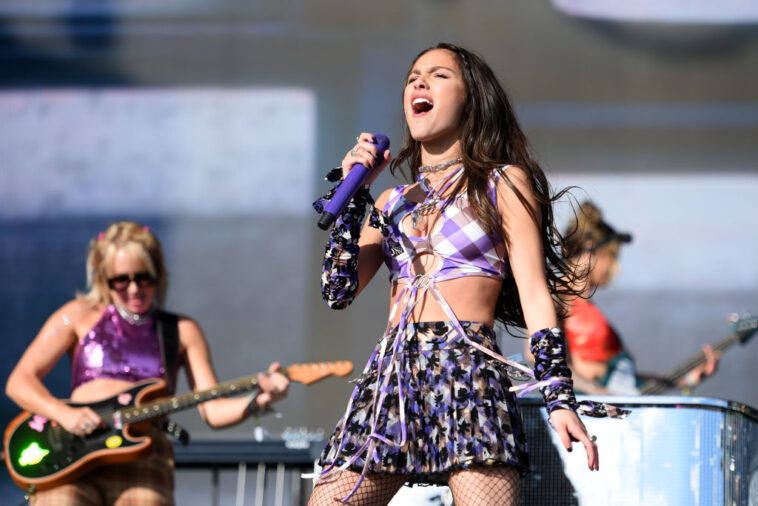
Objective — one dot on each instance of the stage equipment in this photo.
(669, 450)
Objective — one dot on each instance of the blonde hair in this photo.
(139, 242)
(588, 232)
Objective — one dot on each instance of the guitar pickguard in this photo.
(40, 448)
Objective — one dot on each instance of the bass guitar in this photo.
(742, 330)
(40, 454)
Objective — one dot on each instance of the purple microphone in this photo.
(350, 185)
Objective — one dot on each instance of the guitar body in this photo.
(42, 454)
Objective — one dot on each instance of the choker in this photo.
(135, 318)
(437, 168)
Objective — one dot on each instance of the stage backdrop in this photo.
(213, 122)
(225, 177)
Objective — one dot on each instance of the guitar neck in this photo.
(169, 405)
(659, 385)
(302, 373)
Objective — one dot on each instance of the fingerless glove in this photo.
(339, 277)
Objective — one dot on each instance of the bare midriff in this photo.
(99, 389)
(472, 298)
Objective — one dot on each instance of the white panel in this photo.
(203, 152)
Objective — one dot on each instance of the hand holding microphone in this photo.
(367, 154)
(366, 159)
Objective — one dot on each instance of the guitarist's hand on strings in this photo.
(273, 386)
(79, 421)
(699, 373)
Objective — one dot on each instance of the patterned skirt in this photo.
(458, 410)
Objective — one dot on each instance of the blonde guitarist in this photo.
(116, 337)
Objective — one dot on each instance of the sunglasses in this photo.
(122, 282)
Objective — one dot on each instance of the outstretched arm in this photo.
(526, 255)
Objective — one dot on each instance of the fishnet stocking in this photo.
(376, 489)
(490, 485)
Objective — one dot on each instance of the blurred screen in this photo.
(189, 152)
(671, 11)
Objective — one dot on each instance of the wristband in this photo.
(549, 349)
(252, 406)
(690, 380)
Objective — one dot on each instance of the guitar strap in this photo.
(168, 337)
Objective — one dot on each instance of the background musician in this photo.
(112, 338)
(598, 359)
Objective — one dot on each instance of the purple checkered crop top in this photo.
(458, 242)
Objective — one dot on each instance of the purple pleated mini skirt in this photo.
(458, 410)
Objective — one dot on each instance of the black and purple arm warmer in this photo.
(339, 278)
(549, 349)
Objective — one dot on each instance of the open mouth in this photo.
(421, 105)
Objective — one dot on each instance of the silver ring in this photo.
(353, 152)
(358, 139)
(593, 439)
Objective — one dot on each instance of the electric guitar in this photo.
(40, 454)
(742, 330)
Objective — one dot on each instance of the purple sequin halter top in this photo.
(115, 348)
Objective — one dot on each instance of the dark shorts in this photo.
(459, 412)
(145, 482)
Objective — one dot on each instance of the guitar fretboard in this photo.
(303, 373)
(169, 405)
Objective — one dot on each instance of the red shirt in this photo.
(588, 334)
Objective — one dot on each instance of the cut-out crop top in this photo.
(117, 349)
(458, 242)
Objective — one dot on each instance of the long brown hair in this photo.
(491, 138)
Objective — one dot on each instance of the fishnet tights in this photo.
(375, 490)
(490, 485)
(477, 486)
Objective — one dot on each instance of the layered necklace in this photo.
(439, 167)
(135, 318)
(433, 195)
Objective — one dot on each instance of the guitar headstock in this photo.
(744, 325)
(316, 371)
